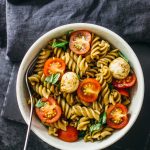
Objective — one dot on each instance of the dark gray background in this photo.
(12, 133)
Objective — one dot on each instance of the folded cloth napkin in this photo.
(28, 20)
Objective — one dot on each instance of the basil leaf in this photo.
(81, 134)
(39, 103)
(78, 76)
(69, 32)
(103, 121)
(97, 126)
(60, 44)
(111, 87)
(55, 78)
(121, 55)
(49, 79)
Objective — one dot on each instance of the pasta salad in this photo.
(81, 87)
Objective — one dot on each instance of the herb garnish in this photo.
(60, 45)
(53, 78)
(39, 103)
(97, 126)
(121, 55)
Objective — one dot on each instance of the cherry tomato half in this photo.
(70, 135)
(125, 83)
(88, 90)
(117, 116)
(54, 65)
(123, 92)
(80, 41)
(50, 112)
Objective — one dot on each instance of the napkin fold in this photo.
(28, 20)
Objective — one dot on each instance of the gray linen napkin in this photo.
(28, 20)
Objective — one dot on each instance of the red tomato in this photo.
(80, 41)
(70, 135)
(88, 90)
(125, 83)
(117, 116)
(54, 65)
(123, 92)
(50, 112)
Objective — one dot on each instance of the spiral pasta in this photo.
(105, 89)
(60, 124)
(99, 48)
(108, 58)
(69, 98)
(67, 111)
(41, 90)
(86, 112)
(106, 73)
(83, 123)
(115, 97)
(43, 56)
(52, 131)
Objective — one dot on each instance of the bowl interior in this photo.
(136, 93)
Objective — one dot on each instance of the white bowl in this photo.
(137, 93)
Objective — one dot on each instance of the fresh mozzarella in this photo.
(119, 68)
(69, 82)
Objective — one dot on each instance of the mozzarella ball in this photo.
(119, 68)
(69, 82)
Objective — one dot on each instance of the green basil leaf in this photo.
(60, 44)
(69, 32)
(95, 127)
(111, 87)
(55, 78)
(39, 103)
(103, 121)
(121, 55)
(49, 79)
(78, 76)
(81, 134)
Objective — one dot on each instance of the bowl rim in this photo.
(18, 82)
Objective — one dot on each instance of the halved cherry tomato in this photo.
(54, 65)
(123, 92)
(50, 112)
(70, 135)
(88, 90)
(80, 41)
(125, 83)
(117, 116)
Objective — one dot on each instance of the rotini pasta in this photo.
(108, 58)
(75, 89)
(86, 112)
(83, 123)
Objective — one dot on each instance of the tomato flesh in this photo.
(117, 116)
(70, 135)
(125, 83)
(54, 65)
(80, 41)
(50, 112)
(88, 90)
(123, 92)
